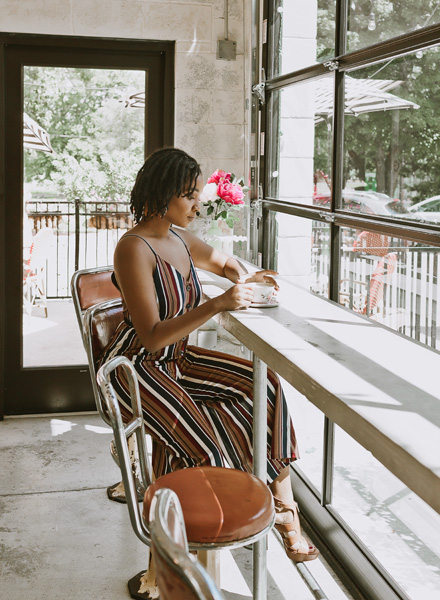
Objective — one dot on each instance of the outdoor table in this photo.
(376, 384)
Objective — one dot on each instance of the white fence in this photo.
(395, 284)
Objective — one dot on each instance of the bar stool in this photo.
(222, 507)
(179, 575)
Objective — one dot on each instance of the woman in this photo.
(197, 403)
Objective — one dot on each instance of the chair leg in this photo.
(210, 559)
(143, 586)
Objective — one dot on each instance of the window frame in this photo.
(355, 565)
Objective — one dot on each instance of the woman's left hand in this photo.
(265, 276)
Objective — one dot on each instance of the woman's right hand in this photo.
(238, 296)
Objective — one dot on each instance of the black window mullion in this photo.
(328, 463)
(255, 118)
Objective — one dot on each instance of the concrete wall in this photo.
(210, 116)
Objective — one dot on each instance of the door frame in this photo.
(57, 389)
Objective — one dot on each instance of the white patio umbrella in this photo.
(136, 100)
(34, 136)
(361, 96)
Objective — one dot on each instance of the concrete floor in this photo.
(61, 537)
(44, 339)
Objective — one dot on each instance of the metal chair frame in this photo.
(85, 322)
(88, 318)
(74, 288)
(176, 556)
(135, 426)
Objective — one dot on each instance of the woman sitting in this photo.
(197, 403)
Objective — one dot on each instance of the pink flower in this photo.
(219, 176)
(229, 192)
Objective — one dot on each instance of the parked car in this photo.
(427, 210)
(365, 202)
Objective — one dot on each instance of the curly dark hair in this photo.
(165, 173)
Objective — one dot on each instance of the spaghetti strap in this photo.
(143, 239)
(183, 242)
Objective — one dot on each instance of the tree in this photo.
(98, 142)
(398, 147)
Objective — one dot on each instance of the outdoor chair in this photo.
(366, 292)
(179, 575)
(222, 507)
(34, 272)
(98, 306)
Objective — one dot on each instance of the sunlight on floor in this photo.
(58, 427)
(36, 324)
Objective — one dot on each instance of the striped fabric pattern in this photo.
(197, 403)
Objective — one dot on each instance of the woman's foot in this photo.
(287, 524)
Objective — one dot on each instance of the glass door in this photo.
(76, 139)
(83, 144)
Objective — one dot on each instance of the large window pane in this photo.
(303, 34)
(373, 21)
(392, 138)
(401, 530)
(393, 281)
(302, 252)
(301, 142)
(77, 177)
(309, 428)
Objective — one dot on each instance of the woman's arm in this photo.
(134, 268)
(210, 259)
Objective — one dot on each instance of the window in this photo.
(349, 186)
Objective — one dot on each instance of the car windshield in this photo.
(428, 206)
(396, 207)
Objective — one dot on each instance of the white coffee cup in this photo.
(263, 292)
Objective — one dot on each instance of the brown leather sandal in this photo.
(296, 546)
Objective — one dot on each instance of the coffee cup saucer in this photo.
(272, 302)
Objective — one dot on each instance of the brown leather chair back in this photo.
(94, 287)
(104, 323)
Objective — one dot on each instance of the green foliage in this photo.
(98, 142)
(399, 147)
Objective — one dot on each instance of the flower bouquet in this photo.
(223, 195)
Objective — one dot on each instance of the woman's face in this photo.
(182, 210)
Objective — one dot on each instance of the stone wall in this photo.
(210, 114)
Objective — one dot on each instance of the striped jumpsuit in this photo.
(197, 403)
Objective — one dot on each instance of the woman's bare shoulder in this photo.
(133, 247)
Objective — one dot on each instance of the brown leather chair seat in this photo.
(219, 505)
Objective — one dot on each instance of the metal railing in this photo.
(86, 234)
(404, 283)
